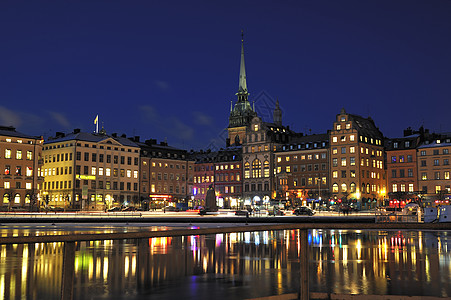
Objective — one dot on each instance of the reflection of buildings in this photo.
(21, 160)
(90, 170)
(341, 262)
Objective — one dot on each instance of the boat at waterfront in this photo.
(410, 213)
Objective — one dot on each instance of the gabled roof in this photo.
(365, 126)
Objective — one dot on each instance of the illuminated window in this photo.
(352, 161)
(446, 174)
(424, 176)
(279, 159)
(246, 170)
(7, 153)
(256, 127)
(287, 158)
(288, 169)
(335, 188)
(29, 155)
(344, 188)
(266, 168)
(395, 188)
(352, 187)
(338, 127)
(352, 138)
(438, 189)
(29, 171)
(129, 173)
(352, 149)
(403, 188)
(256, 168)
(343, 162)
(334, 139)
(108, 172)
(353, 173)
(334, 150)
(411, 187)
(93, 170)
(100, 171)
(135, 174)
(335, 174)
(348, 125)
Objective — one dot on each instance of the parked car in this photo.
(276, 211)
(115, 209)
(130, 208)
(241, 212)
(303, 210)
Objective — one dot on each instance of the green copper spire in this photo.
(242, 89)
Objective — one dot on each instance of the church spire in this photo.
(242, 88)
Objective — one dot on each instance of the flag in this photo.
(96, 119)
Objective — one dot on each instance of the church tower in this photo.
(277, 115)
(242, 113)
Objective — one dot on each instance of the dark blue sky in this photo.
(169, 69)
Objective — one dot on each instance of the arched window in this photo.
(6, 198)
(363, 188)
(17, 198)
(367, 188)
(266, 168)
(256, 168)
(335, 188)
(237, 139)
(246, 170)
(27, 198)
(352, 187)
(344, 188)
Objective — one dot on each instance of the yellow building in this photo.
(90, 171)
(21, 160)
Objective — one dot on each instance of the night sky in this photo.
(169, 69)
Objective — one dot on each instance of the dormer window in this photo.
(395, 145)
(338, 127)
(348, 125)
(255, 127)
(343, 119)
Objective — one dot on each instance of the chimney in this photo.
(77, 130)
(124, 135)
(136, 139)
(59, 134)
(114, 134)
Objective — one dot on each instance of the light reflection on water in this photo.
(234, 265)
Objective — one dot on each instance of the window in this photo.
(395, 188)
(343, 174)
(446, 175)
(7, 153)
(410, 187)
(348, 125)
(86, 156)
(246, 170)
(334, 150)
(335, 162)
(436, 162)
(108, 172)
(393, 173)
(409, 172)
(393, 159)
(352, 161)
(401, 158)
(7, 170)
(343, 162)
(409, 158)
(352, 149)
(445, 151)
(437, 175)
(395, 145)
(335, 174)
(407, 144)
(423, 153)
(19, 154)
(424, 176)
(338, 127)
(445, 162)
(344, 188)
(29, 155)
(343, 150)
(401, 173)
(29, 172)
(352, 138)
(334, 140)
(423, 163)
(256, 168)
(353, 173)
(335, 188)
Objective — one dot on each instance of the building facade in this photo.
(228, 177)
(357, 160)
(303, 171)
(90, 171)
(434, 170)
(165, 174)
(21, 160)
